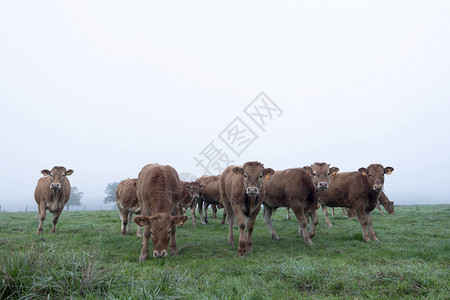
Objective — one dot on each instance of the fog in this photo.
(105, 88)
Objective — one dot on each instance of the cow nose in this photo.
(252, 190)
(55, 186)
(378, 187)
(158, 254)
(323, 185)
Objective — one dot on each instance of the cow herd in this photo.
(159, 198)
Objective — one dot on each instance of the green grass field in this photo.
(88, 258)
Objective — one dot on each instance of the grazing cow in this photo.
(52, 192)
(240, 191)
(127, 203)
(210, 195)
(358, 190)
(158, 191)
(388, 205)
(190, 195)
(297, 189)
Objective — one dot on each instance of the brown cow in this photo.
(297, 189)
(388, 205)
(190, 195)
(360, 191)
(210, 195)
(158, 191)
(127, 203)
(52, 192)
(240, 191)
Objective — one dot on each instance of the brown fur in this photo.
(158, 192)
(240, 191)
(52, 199)
(190, 195)
(357, 190)
(210, 195)
(388, 205)
(127, 203)
(297, 189)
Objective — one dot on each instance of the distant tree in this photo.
(110, 192)
(75, 197)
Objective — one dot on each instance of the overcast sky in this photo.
(106, 87)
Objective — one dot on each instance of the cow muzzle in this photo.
(159, 254)
(378, 187)
(252, 191)
(322, 185)
(55, 186)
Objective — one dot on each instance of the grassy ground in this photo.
(88, 258)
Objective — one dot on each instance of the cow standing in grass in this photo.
(190, 195)
(358, 190)
(210, 195)
(297, 189)
(127, 203)
(240, 190)
(158, 191)
(52, 192)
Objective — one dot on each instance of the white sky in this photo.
(105, 87)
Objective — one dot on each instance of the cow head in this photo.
(389, 206)
(375, 174)
(321, 173)
(194, 189)
(253, 173)
(57, 177)
(162, 226)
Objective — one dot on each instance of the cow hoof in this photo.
(143, 258)
(275, 237)
(204, 223)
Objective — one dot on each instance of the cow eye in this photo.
(245, 175)
(328, 173)
(260, 176)
(369, 174)
(51, 175)
(315, 174)
(63, 175)
(170, 231)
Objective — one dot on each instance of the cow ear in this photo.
(179, 220)
(334, 170)
(69, 172)
(363, 171)
(134, 183)
(308, 170)
(238, 170)
(388, 170)
(268, 172)
(46, 172)
(142, 221)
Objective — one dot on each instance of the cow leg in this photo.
(138, 231)
(299, 213)
(379, 208)
(145, 238)
(267, 213)
(288, 214)
(230, 219)
(55, 219)
(241, 223)
(361, 214)
(42, 214)
(214, 210)
(344, 212)
(200, 210)
(130, 215)
(332, 211)
(223, 217)
(194, 203)
(206, 212)
(372, 235)
(173, 244)
(124, 219)
(314, 222)
(325, 212)
(250, 225)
